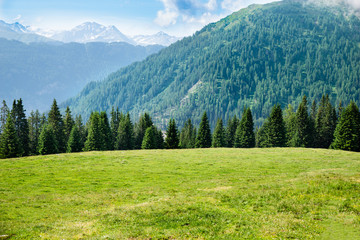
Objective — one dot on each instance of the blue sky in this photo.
(176, 17)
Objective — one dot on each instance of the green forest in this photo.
(258, 57)
(317, 126)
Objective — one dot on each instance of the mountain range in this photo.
(257, 57)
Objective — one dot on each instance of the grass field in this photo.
(182, 194)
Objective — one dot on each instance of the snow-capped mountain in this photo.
(92, 32)
(159, 38)
(16, 31)
(16, 27)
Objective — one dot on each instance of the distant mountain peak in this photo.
(160, 38)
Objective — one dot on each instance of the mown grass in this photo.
(182, 194)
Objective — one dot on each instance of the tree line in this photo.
(323, 126)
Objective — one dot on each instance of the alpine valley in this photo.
(256, 57)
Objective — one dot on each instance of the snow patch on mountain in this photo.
(159, 38)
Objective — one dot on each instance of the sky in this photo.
(176, 17)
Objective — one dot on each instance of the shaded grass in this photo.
(182, 194)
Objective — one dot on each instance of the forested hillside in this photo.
(40, 72)
(257, 57)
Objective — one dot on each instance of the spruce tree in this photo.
(290, 126)
(172, 135)
(149, 140)
(304, 127)
(9, 143)
(276, 128)
(94, 141)
(347, 132)
(325, 123)
(159, 139)
(203, 138)
(116, 118)
(188, 135)
(68, 123)
(106, 135)
(125, 135)
(81, 127)
(244, 135)
(34, 121)
(47, 141)
(75, 143)
(140, 127)
(219, 135)
(22, 127)
(231, 130)
(56, 121)
(4, 112)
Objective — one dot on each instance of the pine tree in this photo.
(56, 121)
(188, 135)
(68, 123)
(244, 135)
(81, 127)
(262, 139)
(22, 127)
(94, 141)
(219, 135)
(304, 127)
(106, 135)
(203, 138)
(231, 130)
(325, 123)
(75, 143)
(139, 131)
(47, 141)
(172, 135)
(125, 135)
(34, 121)
(9, 143)
(276, 128)
(347, 132)
(4, 112)
(149, 141)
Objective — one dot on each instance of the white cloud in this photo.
(166, 17)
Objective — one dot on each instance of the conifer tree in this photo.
(188, 135)
(290, 126)
(75, 143)
(304, 127)
(159, 139)
(140, 127)
(81, 127)
(47, 141)
(68, 123)
(116, 118)
(262, 138)
(34, 121)
(276, 128)
(56, 121)
(231, 130)
(219, 135)
(9, 143)
(347, 132)
(22, 127)
(4, 112)
(94, 141)
(149, 141)
(125, 136)
(325, 123)
(172, 135)
(203, 138)
(244, 135)
(106, 135)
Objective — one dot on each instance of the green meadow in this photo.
(278, 193)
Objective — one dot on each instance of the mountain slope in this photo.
(257, 57)
(40, 72)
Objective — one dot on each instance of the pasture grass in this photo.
(278, 193)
